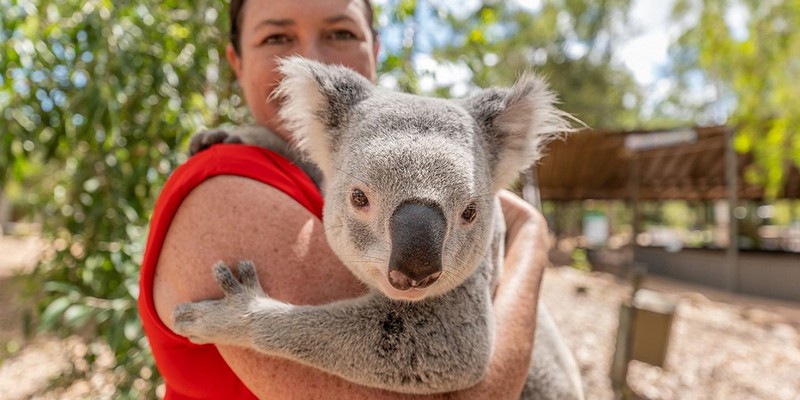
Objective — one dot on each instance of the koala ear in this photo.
(517, 123)
(316, 104)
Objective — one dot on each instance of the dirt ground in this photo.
(722, 345)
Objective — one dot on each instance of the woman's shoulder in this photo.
(221, 205)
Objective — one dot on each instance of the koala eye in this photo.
(358, 198)
(470, 213)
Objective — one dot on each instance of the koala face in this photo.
(409, 204)
(410, 180)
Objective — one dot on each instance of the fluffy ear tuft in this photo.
(316, 100)
(517, 123)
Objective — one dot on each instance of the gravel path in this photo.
(744, 348)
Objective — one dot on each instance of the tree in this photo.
(744, 52)
(569, 41)
(96, 99)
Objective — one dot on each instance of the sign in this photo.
(654, 140)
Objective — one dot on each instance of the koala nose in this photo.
(417, 232)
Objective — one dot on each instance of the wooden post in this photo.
(622, 350)
(732, 191)
(530, 188)
(5, 212)
(634, 182)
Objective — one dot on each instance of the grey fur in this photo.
(259, 136)
(397, 147)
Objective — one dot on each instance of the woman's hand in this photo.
(515, 302)
(527, 243)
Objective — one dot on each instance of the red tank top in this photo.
(198, 371)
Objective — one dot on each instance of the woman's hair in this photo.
(235, 15)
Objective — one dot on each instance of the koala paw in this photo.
(204, 140)
(226, 320)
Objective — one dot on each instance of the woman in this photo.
(241, 202)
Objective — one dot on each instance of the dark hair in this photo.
(235, 11)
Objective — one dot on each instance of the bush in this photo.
(97, 96)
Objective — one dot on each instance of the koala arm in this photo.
(434, 345)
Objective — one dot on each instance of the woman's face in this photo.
(329, 31)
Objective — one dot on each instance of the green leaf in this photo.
(77, 315)
(742, 143)
(114, 335)
(133, 329)
(52, 314)
(60, 287)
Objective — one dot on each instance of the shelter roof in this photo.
(606, 165)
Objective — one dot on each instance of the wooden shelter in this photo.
(598, 165)
(697, 164)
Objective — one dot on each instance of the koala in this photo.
(410, 186)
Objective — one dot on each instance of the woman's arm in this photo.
(225, 218)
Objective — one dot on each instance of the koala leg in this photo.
(434, 345)
(204, 140)
(223, 321)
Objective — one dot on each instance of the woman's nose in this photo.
(316, 50)
(311, 50)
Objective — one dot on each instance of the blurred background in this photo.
(685, 185)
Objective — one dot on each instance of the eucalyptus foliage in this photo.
(97, 97)
(569, 41)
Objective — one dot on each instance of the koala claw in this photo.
(221, 320)
(247, 282)
(204, 140)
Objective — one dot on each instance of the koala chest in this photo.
(459, 320)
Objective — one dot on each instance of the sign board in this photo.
(654, 140)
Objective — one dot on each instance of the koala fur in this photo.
(411, 209)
